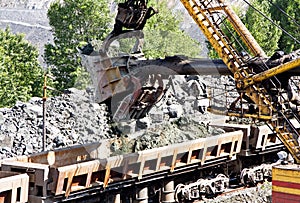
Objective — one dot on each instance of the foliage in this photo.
(292, 8)
(74, 22)
(21, 75)
(266, 34)
(232, 35)
(163, 36)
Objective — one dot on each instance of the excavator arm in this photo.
(261, 82)
(270, 73)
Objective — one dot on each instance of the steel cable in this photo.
(269, 19)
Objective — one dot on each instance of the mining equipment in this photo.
(263, 83)
(182, 172)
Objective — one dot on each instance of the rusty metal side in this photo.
(86, 172)
(84, 169)
(43, 168)
(70, 155)
(10, 184)
(82, 173)
(38, 175)
(170, 157)
(256, 138)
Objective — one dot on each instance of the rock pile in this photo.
(73, 118)
(177, 131)
(70, 119)
(165, 133)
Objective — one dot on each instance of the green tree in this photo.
(232, 35)
(266, 33)
(163, 36)
(74, 22)
(21, 75)
(292, 8)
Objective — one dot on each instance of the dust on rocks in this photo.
(71, 118)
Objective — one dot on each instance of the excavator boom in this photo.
(269, 102)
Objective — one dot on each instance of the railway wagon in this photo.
(61, 174)
(69, 174)
(13, 187)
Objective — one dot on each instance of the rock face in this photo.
(26, 4)
(30, 18)
(73, 118)
(70, 119)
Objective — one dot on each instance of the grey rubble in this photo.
(70, 119)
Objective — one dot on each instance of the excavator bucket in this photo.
(127, 96)
(132, 14)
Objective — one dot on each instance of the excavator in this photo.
(262, 82)
(259, 82)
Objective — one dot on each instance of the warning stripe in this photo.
(286, 184)
(280, 197)
(284, 175)
(286, 187)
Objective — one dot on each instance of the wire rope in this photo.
(269, 19)
(230, 31)
(282, 11)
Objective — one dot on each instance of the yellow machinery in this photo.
(209, 16)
